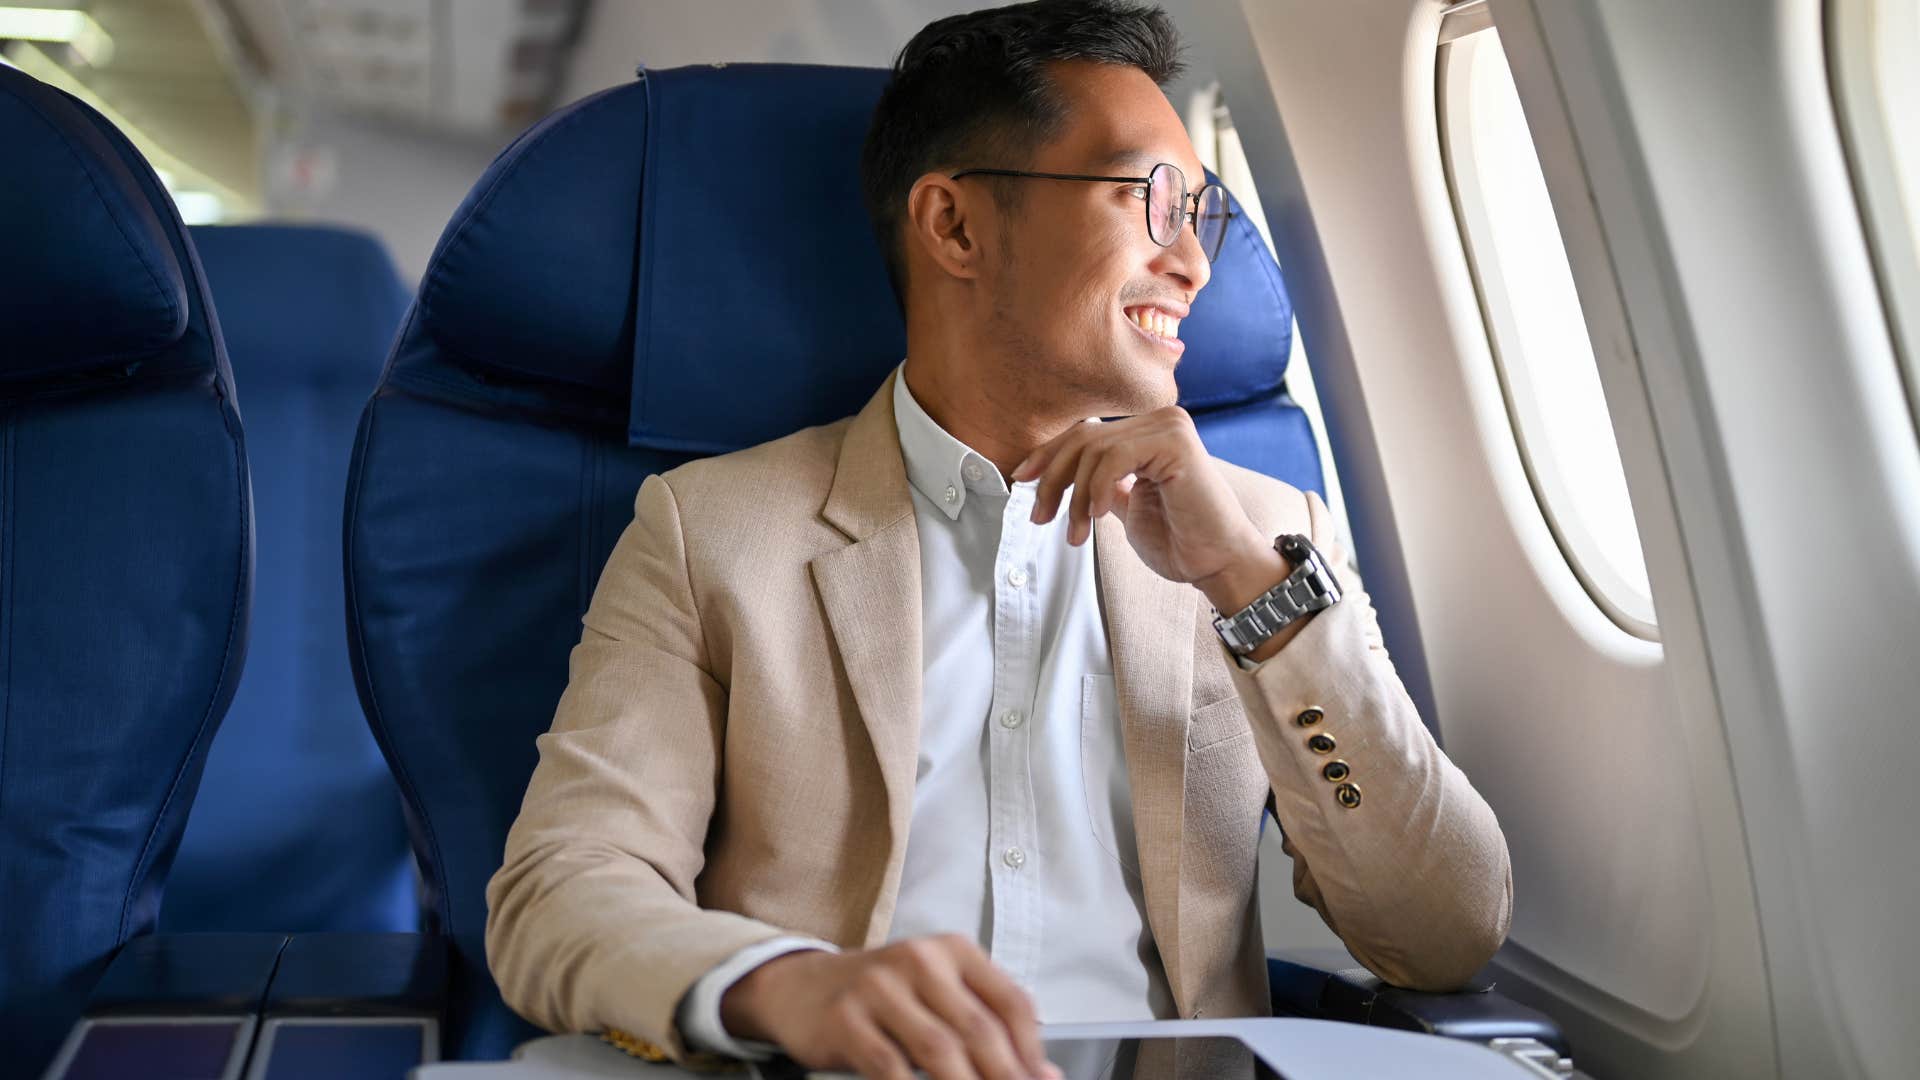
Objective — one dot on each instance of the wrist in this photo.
(1245, 578)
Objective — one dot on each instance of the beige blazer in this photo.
(734, 755)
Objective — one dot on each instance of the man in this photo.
(889, 738)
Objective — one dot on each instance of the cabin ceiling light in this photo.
(73, 28)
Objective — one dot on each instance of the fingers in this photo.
(935, 1004)
(1101, 476)
(981, 1031)
(868, 1048)
(1094, 460)
(1014, 1009)
(1079, 520)
(1053, 465)
(929, 1042)
(1108, 484)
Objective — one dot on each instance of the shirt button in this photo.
(1011, 719)
(952, 493)
(1014, 858)
(1016, 577)
(972, 472)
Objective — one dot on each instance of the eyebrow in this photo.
(1129, 159)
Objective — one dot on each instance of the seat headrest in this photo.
(758, 265)
(316, 303)
(90, 277)
(809, 318)
(1240, 330)
(534, 273)
(695, 244)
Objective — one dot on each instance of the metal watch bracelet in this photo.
(1309, 588)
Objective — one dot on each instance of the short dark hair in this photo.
(972, 90)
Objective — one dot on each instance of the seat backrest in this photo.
(297, 827)
(675, 267)
(1233, 377)
(125, 552)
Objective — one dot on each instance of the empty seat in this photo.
(298, 824)
(125, 553)
(626, 288)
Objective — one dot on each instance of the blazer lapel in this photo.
(870, 591)
(1150, 632)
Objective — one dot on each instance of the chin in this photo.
(1153, 376)
(1145, 388)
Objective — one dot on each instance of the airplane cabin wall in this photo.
(1634, 916)
(1677, 923)
(401, 184)
(1731, 223)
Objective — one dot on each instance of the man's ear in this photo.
(944, 220)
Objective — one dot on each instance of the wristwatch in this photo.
(1309, 588)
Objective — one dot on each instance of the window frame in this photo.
(1857, 84)
(1459, 27)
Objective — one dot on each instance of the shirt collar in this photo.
(939, 466)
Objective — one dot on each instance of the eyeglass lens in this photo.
(1210, 219)
(1167, 210)
(1166, 204)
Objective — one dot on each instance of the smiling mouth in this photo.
(1157, 325)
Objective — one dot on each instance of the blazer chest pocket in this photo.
(1217, 724)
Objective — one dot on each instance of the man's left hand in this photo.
(1180, 515)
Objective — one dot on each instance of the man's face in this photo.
(1078, 273)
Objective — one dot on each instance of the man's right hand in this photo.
(936, 1004)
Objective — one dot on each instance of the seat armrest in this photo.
(354, 1005)
(173, 1004)
(188, 975)
(361, 975)
(1326, 984)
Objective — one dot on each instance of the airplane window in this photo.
(1877, 82)
(1539, 337)
(1216, 140)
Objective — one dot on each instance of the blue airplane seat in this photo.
(298, 824)
(1233, 377)
(675, 267)
(125, 553)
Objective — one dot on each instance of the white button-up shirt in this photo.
(1022, 830)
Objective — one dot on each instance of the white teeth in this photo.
(1155, 322)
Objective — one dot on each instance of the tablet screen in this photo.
(1172, 1058)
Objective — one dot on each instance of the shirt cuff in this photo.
(698, 1015)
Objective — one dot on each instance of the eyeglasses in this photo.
(1167, 200)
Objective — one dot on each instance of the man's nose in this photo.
(1185, 259)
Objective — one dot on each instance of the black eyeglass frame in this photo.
(1187, 216)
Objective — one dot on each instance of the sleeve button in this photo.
(1321, 743)
(1336, 771)
(1310, 716)
(1348, 795)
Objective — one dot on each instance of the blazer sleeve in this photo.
(1414, 876)
(592, 921)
